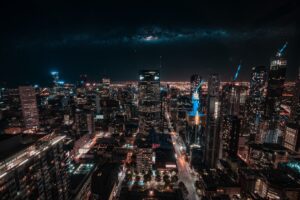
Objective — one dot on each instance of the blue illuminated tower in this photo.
(196, 114)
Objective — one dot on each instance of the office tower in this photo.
(145, 156)
(275, 88)
(233, 99)
(255, 109)
(37, 170)
(295, 108)
(55, 76)
(90, 123)
(144, 159)
(149, 101)
(212, 130)
(195, 81)
(97, 102)
(81, 126)
(29, 107)
(230, 136)
(292, 137)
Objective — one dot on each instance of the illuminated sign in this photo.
(170, 166)
(99, 117)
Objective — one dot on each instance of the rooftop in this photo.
(28, 151)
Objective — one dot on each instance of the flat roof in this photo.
(30, 151)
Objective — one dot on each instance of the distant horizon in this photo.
(134, 81)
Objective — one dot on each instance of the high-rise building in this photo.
(36, 171)
(29, 107)
(275, 88)
(255, 109)
(55, 76)
(230, 136)
(97, 102)
(212, 130)
(295, 108)
(149, 101)
(145, 156)
(90, 123)
(292, 137)
(233, 99)
(195, 81)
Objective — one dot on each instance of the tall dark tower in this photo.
(275, 88)
(212, 131)
(149, 101)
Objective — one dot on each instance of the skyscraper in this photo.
(212, 130)
(255, 110)
(29, 107)
(90, 123)
(230, 136)
(233, 99)
(149, 101)
(295, 108)
(275, 88)
(195, 81)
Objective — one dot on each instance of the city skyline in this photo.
(150, 100)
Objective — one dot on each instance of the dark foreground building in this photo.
(35, 168)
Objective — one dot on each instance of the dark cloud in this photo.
(155, 35)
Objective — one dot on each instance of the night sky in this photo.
(117, 39)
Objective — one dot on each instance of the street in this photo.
(184, 170)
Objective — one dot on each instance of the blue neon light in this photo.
(237, 72)
(196, 102)
(282, 49)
